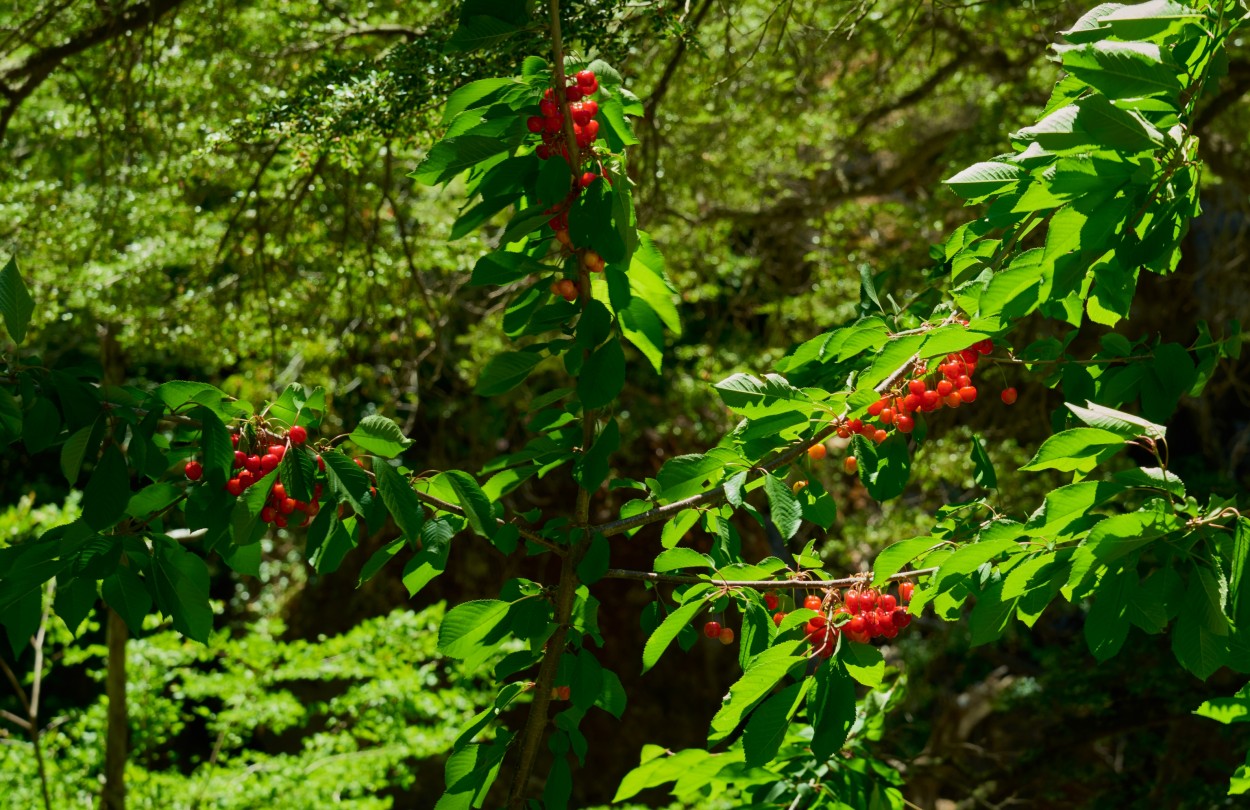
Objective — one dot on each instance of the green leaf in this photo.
(298, 472)
(831, 709)
(1090, 27)
(1121, 69)
(431, 560)
(1106, 625)
(863, 662)
(452, 156)
(1078, 449)
(991, 613)
(151, 499)
(675, 559)
(502, 267)
(74, 452)
(756, 398)
(766, 729)
(892, 558)
(1200, 638)
(346, 479)
(592, 469)
(683, 476)
(505, 371)
(380, 436)
(1149, 19)
(126, 593)
(180, 581)
(1124, 424)
(596, 561)
(476, 505)
(216, 446)
(1092, 122)
(467, 625)
(602, 377)
(982, 467)
(401, 501)
(479, 31)
(784, 508)
(766, 671)
(470, 95)
(16, 305)
(74, 600)
(107, 492)
(883, 468)
(982, 179)
(663, 635)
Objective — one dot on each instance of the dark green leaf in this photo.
(16, 305)
(401, 501)
(602, 377)
(180, 581)
(107, 492)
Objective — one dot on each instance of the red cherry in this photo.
(553, 124)
(585, 77)
(268, 463)
(278, 493)
(968, 393)
(969, 355)
(278, 450)
(591, 108)
(252, 464)
(850, 464)
(194, 470)
(931, 400)
(868, 599)
(280, 522)
(298, 434)
(887, 416)
(900, 618)
(944, 388)
(877, 407)
(905, 590)
(287, 506)
(913, 402)
(887, 627)
(246, 479)
(771, 601)
(543, 152)
(549, 108)
(712, 629)
(360, 462)
(952, 400)
(321, 463)
(268, 514)
(1008, 396)
(312, 509)
(984, 347)
(778, 618)
(239, 458)
(905, 424)
(588, 178)
(887, 602)
(573, 93)
(870, 624)
(234, 439)
(812, 602)
(534, 123)
(843, 433)
(857, 625)
(852, 601)
(726, 635)
(880, 436)
(963, 381)
(234, 487)
(916, 387)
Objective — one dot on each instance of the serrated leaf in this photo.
(784, 507)
(126, 593)
(401, 501)
(1078, 449)
(466, 625)
(1109, 419)
(476, 505)
(675, 559)
(180, 585)
(766, 729)
(380, 436)
(298, 472)
(766, 671)
(663, 635)
(16, 305)
(831, 708)
(505, 371)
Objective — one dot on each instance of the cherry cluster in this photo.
(251, 468)
(582, 108)
(714, 630)
(862, 614)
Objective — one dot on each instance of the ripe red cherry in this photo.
(298, 434)
(905, 424)
(817, 451)
(278, 492)
(235, 487)
(252, 464)
(916, 387)
(812, 602)
(843, 432)
(984, 347)
(194, 470)
(268, 514)
(969, 355)
(573, 93)
(778, 618)
(234, 439)
(770, 599)
(905, 590)
(534, 123)
(1009, 396)
(726, 635)
(246, 479)
(585, 77)
(913, 402)
(278, 450)
(944, 388)
(968, 393)
(900, 618)
(712, 629)
(877, 407)
(952, 400)
(591, 108)
(280, 521)
(587, 179)
(887, 416)
(857, 625)
(852, 601)
(287, 506)
(239, 458)
(880, 436)
(963, 381)
(268, 463)
(868, 599)
(887, 602)
(930, 400)
(850, 464)
(321, 463)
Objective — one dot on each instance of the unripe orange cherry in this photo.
(850, 464)
(726, 635)
(817, 451)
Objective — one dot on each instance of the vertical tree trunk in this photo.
(113, 796)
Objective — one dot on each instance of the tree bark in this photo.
(113, 796)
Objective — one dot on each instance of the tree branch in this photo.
(445, 506)
(796, 583)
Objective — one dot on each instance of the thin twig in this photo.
(445, 506)
(756, 584)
